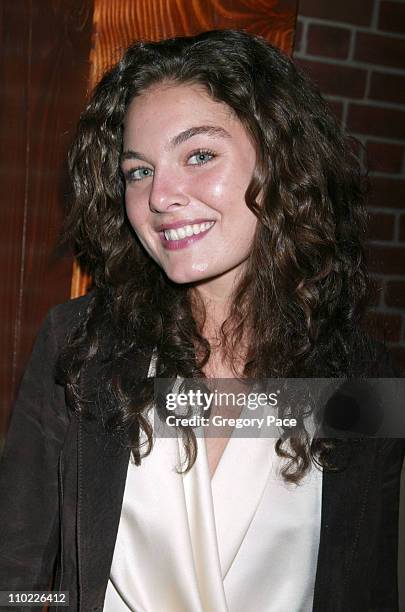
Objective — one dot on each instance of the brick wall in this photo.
(355, 51)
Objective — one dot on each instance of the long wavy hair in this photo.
(305, 285)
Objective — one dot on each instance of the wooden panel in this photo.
(118, 23)
(13, 104)
(44, 74)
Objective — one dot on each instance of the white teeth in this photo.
(187, 230)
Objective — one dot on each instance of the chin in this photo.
(183, 276)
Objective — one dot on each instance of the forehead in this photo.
(165, 107)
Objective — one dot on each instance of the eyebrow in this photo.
(209, 130)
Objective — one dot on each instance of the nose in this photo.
(166, 192)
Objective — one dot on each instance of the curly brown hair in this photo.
(305, 286)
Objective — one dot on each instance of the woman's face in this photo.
(187, 161)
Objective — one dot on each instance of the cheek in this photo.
(228, 186)
(134, 213)
(215, 189)
(218, 188)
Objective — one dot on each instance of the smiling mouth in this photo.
(181, 237)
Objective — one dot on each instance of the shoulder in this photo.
(371, 358)
(64, 317)
(72, 309)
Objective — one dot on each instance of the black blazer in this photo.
(62, 482)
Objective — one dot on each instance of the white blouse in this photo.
(245, 540)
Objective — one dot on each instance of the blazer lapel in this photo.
(344, 501)
(102, 469)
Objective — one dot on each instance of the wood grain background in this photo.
(44, 66)
(118, 23)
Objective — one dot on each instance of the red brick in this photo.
(381, 226)
(328, 41)
(376, 121)
(350, 11)
(402, 228)
(384, 326)
(388, 87)
(337, 109)
(387, 192)
(395, 294)
(384, 157)
(398, 355)
(380, 49)
(335, 80)
(386, 259)
(356, 146)
(392, 17)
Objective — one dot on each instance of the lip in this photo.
(174, 245)
(181, 223)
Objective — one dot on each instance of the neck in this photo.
(224, 356)
(210, 312)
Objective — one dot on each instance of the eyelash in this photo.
(129, 176)
(202, 152)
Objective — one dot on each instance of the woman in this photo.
(220, 213)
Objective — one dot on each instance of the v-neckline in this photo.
(212, 476)
(225, 449)
(224, 453)
(228, 489)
